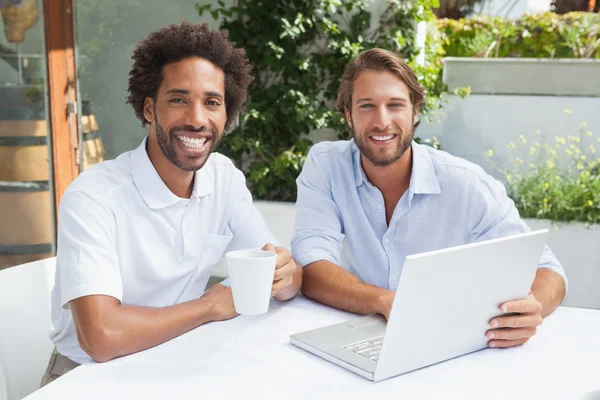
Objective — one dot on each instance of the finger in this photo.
(286, 270)
(517, 321)
(280, 285)
(283, 257)
(511, 334)
(506, 343)
(529, 305)
(269, 247)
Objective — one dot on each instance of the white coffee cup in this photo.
(251, 276)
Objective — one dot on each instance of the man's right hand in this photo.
(220, 300)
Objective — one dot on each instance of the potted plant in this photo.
(555, 184)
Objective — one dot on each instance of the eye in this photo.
(213, 103)
(397, 105)
(177, 101)
(366, 106)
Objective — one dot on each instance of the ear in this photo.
(348, 116)
(149, 109)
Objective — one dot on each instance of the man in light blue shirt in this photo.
(381, 197)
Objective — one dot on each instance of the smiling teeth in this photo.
(192, 143)
(382, 138)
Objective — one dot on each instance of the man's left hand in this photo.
(517, 327)
(284, 269)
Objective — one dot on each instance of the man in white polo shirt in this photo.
(138, 236)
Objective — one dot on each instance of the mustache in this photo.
(190, 128)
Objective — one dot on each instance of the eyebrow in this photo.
(187, 92)
(363, 99)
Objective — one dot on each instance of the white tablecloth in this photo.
(251, 357)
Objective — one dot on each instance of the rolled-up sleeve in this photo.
(318, 233)
(496, 216)
(87, 261)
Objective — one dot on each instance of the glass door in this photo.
(26, 212)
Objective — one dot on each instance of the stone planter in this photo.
(577, 247)
(524, 76)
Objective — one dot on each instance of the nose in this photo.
(197, 116)
(381, 119)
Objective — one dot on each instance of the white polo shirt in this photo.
(123, 233)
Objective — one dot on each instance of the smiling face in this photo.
(188, 116)
(382, 117)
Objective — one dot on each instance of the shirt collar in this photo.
(151, 186)
(423, 179)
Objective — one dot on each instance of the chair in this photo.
(25, 347)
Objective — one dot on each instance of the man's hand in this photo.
(385, 302)
(285, 269)
(517, 327)
(220, 301)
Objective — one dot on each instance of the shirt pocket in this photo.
(213, 249)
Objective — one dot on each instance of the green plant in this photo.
(561, 179)
(299, 49)
(546, 35)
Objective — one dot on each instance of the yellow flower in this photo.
(511, 145)
(490, 153)
(589, 133)
(590, 203)
(582, 158)
(592, 149)
(557, 178)
(532, 150)
(582, 186)
(579, 166)
(577, 151)
(593, 164)
(569, 152)
(545, 200)
(531, 165)
(537, 132)
(509, 178)
(520, 160)
(523, 140)
(550, 164)
(567, 111)
(546, 185)
(584, 123)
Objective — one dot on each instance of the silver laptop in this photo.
(442, 308)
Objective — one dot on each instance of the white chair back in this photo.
(25, 346)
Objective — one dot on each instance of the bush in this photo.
(299, 49)
(547, 35)
(560, 181)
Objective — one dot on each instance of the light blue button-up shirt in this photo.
(340, 215)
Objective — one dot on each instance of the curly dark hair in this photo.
(176, 42)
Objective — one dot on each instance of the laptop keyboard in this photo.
(369, 349)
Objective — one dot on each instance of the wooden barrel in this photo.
(25, 201)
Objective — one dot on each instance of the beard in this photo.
(381, 157)
(166, 142)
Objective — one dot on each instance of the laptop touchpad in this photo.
(369, 324)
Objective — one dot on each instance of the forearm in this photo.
(292, 290)
(549, 289)
(332, 285)
(126, 329)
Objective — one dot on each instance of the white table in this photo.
(251, 357)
